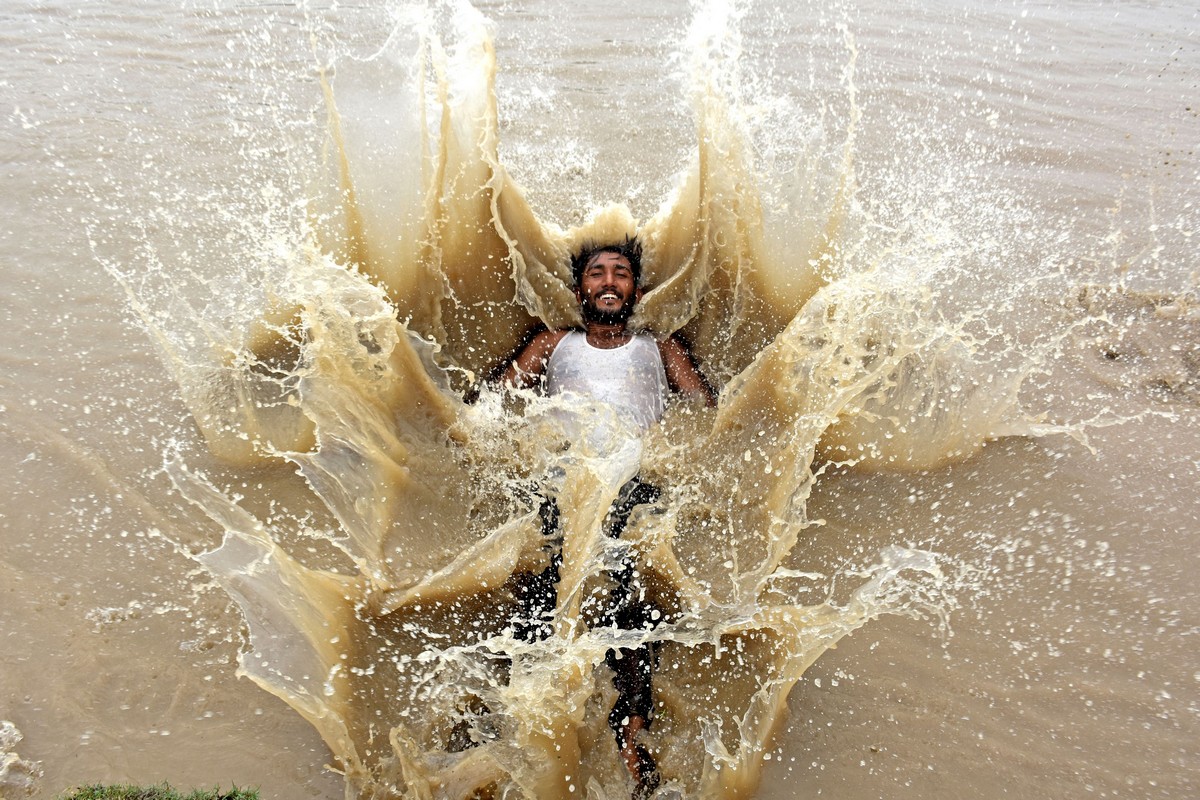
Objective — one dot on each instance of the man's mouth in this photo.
(609, 306)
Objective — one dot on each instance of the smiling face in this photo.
(607, 289)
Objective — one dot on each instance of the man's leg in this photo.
(537, 597)
(633, 710)
(632, 668)
(537, 594)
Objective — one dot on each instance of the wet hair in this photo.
(631, 249)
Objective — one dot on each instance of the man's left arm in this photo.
(682, 374)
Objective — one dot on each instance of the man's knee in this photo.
(634, 493)
(537, 597)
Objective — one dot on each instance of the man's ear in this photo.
(578, 294)
(637, 294)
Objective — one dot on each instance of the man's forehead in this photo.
(608, 257)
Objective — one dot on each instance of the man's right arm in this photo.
(526, 370)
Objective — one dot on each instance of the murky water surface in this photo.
(939, 257)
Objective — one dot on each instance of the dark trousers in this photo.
(626, 606)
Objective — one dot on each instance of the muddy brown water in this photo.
(1008, 193)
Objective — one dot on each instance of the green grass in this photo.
(160, 792)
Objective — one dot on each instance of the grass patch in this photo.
(160, 792)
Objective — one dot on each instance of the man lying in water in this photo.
(631, 373)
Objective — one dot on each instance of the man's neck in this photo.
(607, 336)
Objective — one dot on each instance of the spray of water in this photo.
(412, 264)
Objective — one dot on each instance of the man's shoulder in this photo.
(667, 344)
(552, 336)
(544, 342)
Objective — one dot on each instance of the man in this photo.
(631, 373)
(607, 285)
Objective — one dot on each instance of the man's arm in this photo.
(682, 374)
(527, 369)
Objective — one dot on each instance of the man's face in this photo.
(607, 291)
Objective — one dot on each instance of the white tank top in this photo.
(630, 379)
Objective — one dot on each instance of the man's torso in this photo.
(630, 378)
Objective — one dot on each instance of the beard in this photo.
(592, 313)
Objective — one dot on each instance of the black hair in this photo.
(631, 249)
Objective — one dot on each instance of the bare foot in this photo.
(638, 760)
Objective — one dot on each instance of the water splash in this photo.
(418, 263)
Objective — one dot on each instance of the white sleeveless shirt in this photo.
(629, 379)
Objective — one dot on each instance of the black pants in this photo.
(626, 606)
